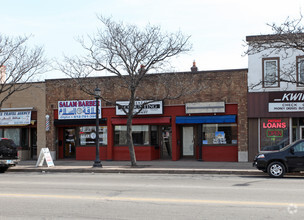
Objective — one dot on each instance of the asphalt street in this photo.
(148, 196)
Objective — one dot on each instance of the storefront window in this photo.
(87, 135)
(140, 134)
(274, 134)
(14, 134)
(219, 134)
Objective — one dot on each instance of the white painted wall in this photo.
(287, 63)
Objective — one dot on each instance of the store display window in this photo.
(219, 134)
(87, 135)
(140, 133)
(274, 133)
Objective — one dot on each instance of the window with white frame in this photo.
(271, 72)
(300, 71)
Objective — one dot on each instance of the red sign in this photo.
(274, 123)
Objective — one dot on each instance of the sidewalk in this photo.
(156, 166)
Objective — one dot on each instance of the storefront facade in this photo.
(275, 94)
(275, 120)
(22, 119)
(209, 126)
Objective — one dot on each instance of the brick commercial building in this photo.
(210, 125)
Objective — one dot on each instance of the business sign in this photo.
(46, 156)
(286, 102)
(205, 107)
(78, 109)
(15, 118)
(150, 108)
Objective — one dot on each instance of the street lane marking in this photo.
(165, 200)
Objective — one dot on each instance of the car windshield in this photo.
(289, 145)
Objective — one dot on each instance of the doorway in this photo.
(188, 141)
(301, 132)
(166, 143)
(69, 149)
(33, 143)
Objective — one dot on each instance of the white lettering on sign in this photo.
(286, 107)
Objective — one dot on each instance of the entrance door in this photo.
(166, 142)
(188, 142)
(301, 132)
(34, 143)
(69, 149)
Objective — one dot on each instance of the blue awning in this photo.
(205, 119)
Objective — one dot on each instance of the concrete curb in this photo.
(135, 170)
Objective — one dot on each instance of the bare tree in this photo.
(286, 38)
(19, 64)
(131, 54)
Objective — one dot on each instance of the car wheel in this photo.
(276, 169)
(3, 169)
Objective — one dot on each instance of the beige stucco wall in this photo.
(34, 96)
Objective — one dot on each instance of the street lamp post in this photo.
(97, 162)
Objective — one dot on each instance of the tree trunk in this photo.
(129, 132)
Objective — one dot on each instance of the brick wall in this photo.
(229, 86)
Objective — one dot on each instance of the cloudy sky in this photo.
(218, 28)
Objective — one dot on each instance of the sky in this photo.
(218, 28)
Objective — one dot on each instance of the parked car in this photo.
(287, 160)
(8, 154)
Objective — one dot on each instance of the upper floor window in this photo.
(300, 71)
(271, 72)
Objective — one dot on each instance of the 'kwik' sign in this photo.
(286, 97)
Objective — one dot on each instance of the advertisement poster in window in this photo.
(219, 138)
(274, 133)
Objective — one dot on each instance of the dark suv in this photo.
(288, 159)
(8, 154)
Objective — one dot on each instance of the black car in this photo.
(287, 160)
(8, 154)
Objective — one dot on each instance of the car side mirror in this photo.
(291, 150)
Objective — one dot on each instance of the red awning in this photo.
(142, 121)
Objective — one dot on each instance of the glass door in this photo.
(69, 143)
(166, 142)
(188, 141)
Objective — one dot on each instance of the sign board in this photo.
(78, 109)
(151, 108)
(205, 107)
(15, 118)
(45, 155)
(286, 102)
